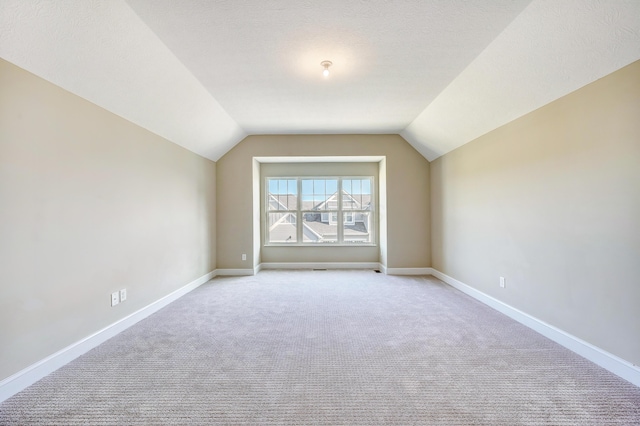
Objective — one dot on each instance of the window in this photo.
(348, 218)
(312, 211)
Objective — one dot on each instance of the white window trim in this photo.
(340, 214)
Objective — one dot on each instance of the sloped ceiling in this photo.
(204, 74)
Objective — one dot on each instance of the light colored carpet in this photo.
(349, 347)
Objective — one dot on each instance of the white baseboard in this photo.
(28, 376)
(604, 359)
(408, 271)
(235, 272)
(319, 265)
(343, 265)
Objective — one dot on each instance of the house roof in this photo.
(349, 202)
(322, 228)
(285, 231)
(283, 201)
(204, 74)
(289, 202)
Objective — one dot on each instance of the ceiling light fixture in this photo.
(326, 65)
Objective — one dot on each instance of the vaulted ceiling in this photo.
(206, 73)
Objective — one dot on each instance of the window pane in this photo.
(356, 194)
(314, 230)
(351, 202)
(282, 228)
(307, 194)
(282, 194)
(273, 202)
(332, 186)
(360, 230)
(355, 184)
(274, 196)
(366, 186)
(307, 186)
(318, 194)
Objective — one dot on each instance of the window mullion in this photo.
(340, 218)
(299, 223)
(266, 211)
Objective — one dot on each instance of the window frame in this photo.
(340, 213)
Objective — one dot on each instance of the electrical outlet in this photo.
(115, 298)
(244, 256)
(503, 282)
(123, 295)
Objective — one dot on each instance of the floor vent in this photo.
(319, 269)
(377, 271)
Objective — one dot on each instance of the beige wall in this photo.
(89, 204)
(551, 201)
(407, 181)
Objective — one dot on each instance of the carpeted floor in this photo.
(327, 347)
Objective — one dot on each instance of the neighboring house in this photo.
(321, 226)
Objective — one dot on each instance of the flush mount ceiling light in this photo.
(326, 65)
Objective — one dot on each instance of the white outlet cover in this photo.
(115, 298)
(123, 294)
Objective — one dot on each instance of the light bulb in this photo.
(326, 65)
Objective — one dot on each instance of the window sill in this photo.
(320, 245)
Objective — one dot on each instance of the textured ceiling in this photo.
(390, 58)
(205, 73)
